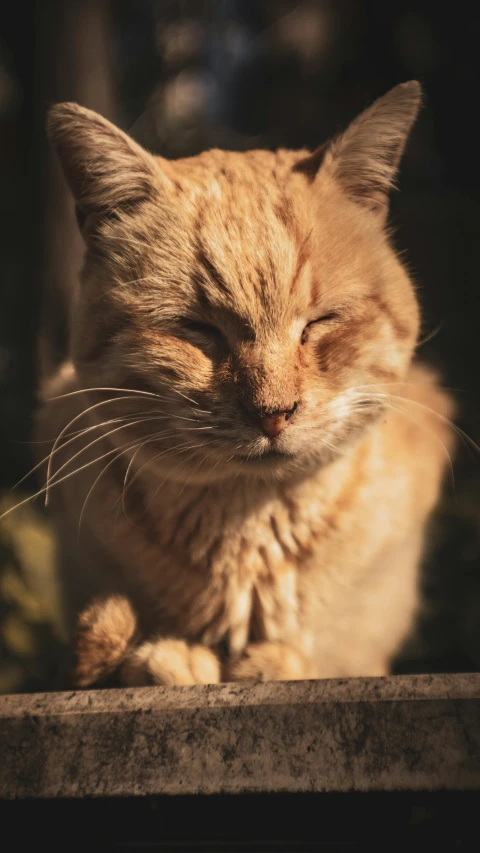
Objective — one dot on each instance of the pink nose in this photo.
(272, 423)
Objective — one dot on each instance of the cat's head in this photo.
(257, 293)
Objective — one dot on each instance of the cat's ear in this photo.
(364, 159)
(105, 169)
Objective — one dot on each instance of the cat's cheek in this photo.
(198, 371)
(305, 357)
(182, 361)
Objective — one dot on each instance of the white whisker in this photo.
(460, 432)
(75, 435)
(80, 415)
(97, 479)
(74, 420)
(164, 452)
(169, 451)
(61, 480)
(95, 441)
(123, 391)
(436, 437)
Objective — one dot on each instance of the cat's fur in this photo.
(258, 294)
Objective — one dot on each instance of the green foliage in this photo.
(32, 633)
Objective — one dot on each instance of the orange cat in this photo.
(246, 458)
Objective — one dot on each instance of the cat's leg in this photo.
(106, 631)
(165, 661)
(107, 642)
(363, 642)
(378, 617)
(270, 661)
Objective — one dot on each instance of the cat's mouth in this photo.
(268, 455)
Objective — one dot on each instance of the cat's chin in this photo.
(267, 457)
(273, 465)
(279, 465)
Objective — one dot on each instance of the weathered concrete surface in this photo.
(407, 733)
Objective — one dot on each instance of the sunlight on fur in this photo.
(243, 456)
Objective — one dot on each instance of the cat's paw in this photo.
(270, 662)
(105, 632)
(170, 662)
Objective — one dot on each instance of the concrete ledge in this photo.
(404, 733)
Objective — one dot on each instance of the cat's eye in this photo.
(333, 315)
(204, 329)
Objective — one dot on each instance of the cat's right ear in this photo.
(106, 170)
(364, 159)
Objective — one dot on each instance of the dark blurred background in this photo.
(182, 76)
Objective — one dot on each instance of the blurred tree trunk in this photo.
(74, 62)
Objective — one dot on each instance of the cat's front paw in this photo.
(106, 631)
(270, 662)
(170, 662)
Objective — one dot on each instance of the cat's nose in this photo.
(273, 421)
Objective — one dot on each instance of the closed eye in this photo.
(326, 318)
(206, 330)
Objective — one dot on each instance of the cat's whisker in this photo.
(124, 449)
(50, 477)
(76, 434)
(61, 480)
(126, 422)
(404, 384)
(223, 461)
(80, 415)
(125, 487)
(460, 432)
(137, 474)
(130, 464)
(239, 447)
(207, 455)
(385, 399)
(435, 436)
(96, 481)
(331, 446)
(127, 472)
(430, 336)
(123, 391)
(155, 437)
(164, 452)
(177, 467)
(171, 451)
(67, 426)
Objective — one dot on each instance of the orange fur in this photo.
(105, 630)
(259, 481)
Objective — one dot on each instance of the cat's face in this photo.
(256, 293)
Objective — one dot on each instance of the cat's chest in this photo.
(232, 568)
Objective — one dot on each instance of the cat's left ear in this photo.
(364, 159)
(105, 169)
